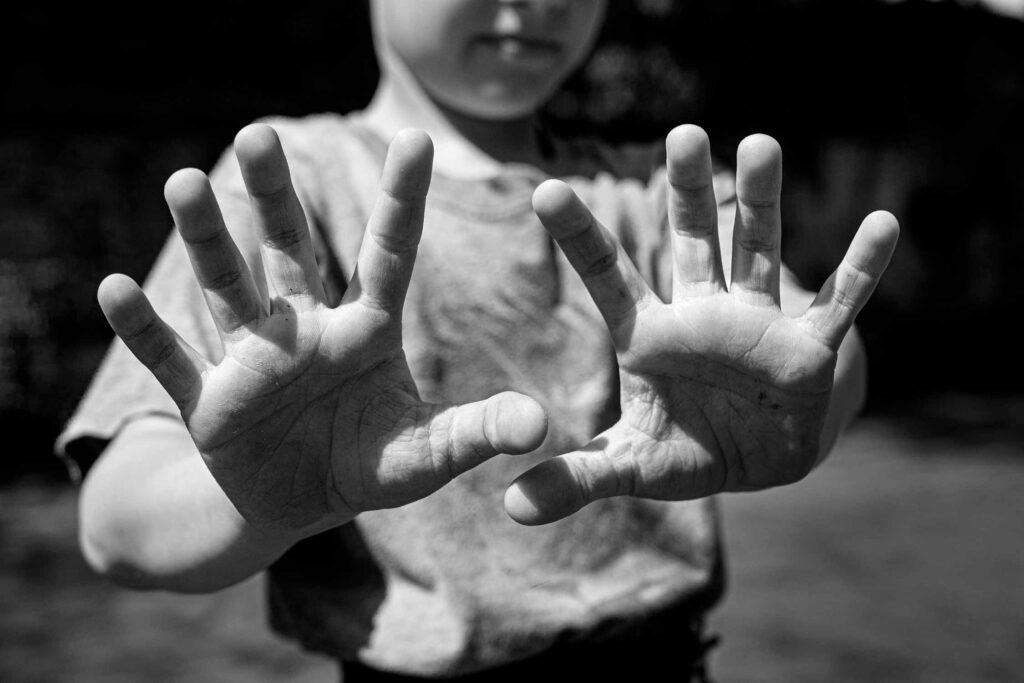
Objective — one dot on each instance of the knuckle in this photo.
(271, 194)
(394, 243)
(758, 244)
(695, 224)
(684, 182)
(843, 299)
(599, 265)
(285, 238)
(149, 328)
(222, 280)
(159, 356)
(581, 479)
(402, 195)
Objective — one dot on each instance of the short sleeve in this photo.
(123, 389)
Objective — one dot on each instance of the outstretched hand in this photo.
(720, 390)
(312, 415)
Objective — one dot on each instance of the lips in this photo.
(520, 50)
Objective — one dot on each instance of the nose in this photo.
(512, 14)
(508, 19)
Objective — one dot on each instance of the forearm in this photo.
(153, 517)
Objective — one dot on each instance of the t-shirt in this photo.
(450, 584)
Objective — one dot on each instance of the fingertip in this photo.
(255, 141)
(409, 164)
(759, 169)
(515, 423)
(414, 141)
(116, 287)
(559, 209)
(688, 156)
(542, 495)
(552, 196)
(261, 159)
(185, 189)
(883, 224)
(120, 299)
(520, 507)
(875, 241)
(758, 146)
(687, 136)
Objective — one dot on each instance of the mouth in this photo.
(520, 50)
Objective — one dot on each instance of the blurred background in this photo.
(901, 559)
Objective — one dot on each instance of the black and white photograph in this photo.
(383, 341)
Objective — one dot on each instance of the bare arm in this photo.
(152, 516)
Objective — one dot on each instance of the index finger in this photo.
(845, 293)
(613, 282)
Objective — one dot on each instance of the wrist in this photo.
(272, 538)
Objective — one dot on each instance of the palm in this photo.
(286, 405)
(312, 415)
(701, 401)
(719, 389)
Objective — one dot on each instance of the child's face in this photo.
(490, 59)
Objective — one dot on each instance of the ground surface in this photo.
(901, 559)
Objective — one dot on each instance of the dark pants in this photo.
(643, 656)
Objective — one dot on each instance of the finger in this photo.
(848, 289)
(173, 362)
(388, 251)
(621, 461)
(467, 435)
(558, 487)
(229, 288)
(693, 214)
(612, 280)
(287, 249)
(757, 230)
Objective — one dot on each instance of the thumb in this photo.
(472, 433)
(558, 487)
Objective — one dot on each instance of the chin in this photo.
(497, 109)
(498, 102)
(500, 112)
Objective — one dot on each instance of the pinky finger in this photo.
(175, 364)
(848, 289)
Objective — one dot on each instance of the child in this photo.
(315, 422)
